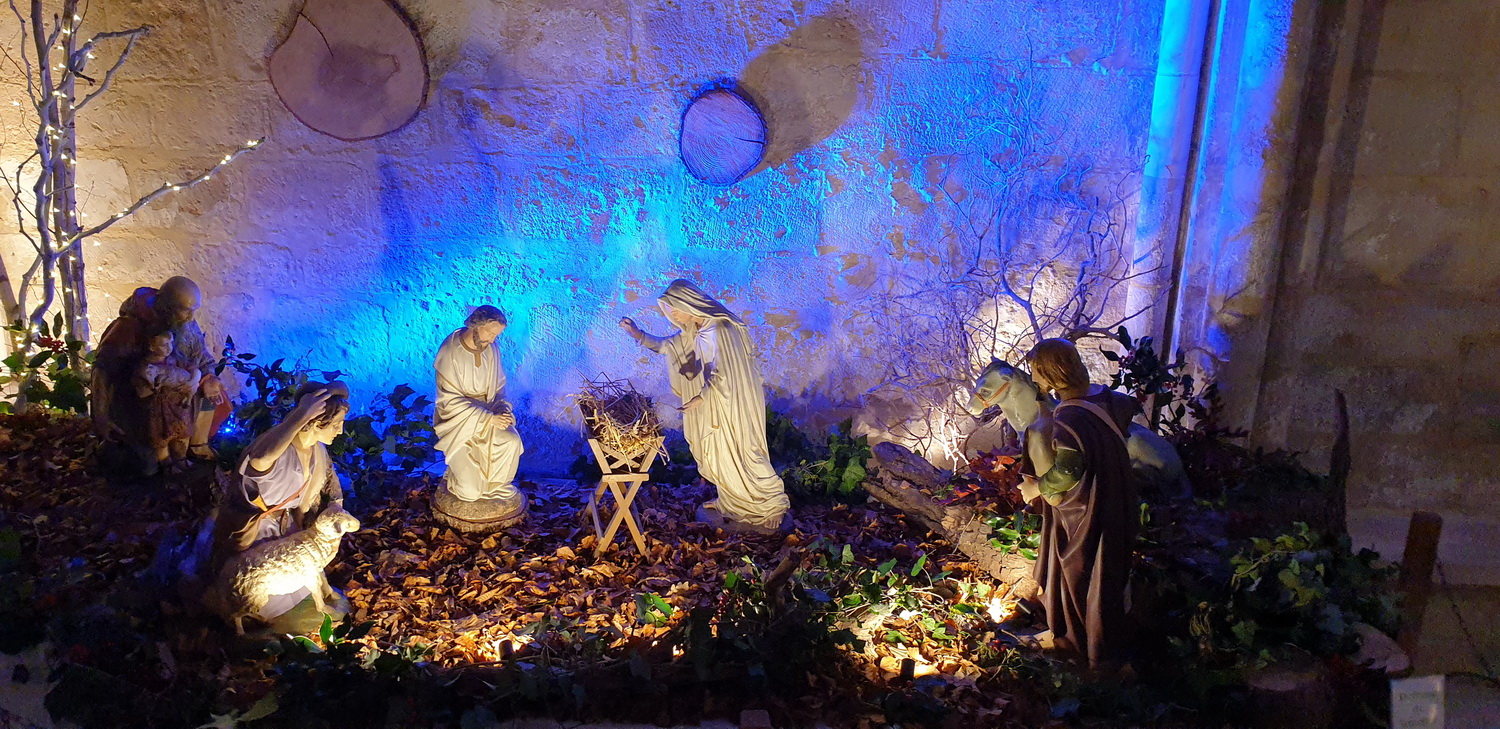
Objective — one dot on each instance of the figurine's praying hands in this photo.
(503, 417)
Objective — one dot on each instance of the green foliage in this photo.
(1298, 589)
(839, 475)
(788, 445)
(54, 376)
(275, 387)
(808, 607)
(338, 679)
(1019, 532)
(1177, 403)
(393, 439)
(653, 609)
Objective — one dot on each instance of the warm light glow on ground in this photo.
(1000, 610)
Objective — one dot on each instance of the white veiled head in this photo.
(681, 295)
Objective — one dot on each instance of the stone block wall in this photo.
(543, 176)
(1394, 294)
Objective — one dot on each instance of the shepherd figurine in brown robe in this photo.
(1091, 515)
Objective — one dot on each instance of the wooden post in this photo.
(1416, 576)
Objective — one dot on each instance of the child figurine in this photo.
(168, 392)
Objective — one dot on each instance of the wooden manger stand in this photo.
(623, 478)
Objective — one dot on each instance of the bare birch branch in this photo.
(145, 200)
(132, 35)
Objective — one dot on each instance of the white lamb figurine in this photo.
(284, 565)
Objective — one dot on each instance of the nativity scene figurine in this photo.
(714, 370)
(476, 429)
(1091, 511)
(285, 485)
(140, 378)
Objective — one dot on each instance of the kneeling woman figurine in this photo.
(713, 368)
(285, 480)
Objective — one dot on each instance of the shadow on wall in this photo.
(806, 85)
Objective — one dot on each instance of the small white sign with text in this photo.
(1417, 703)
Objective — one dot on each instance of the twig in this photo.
(131, 35)
(78, 237)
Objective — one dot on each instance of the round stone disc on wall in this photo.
(351, 69)
(723, 137)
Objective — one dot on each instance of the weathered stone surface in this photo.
(585, 42)
(630, 121)
(1411, 127)
(543, 175)
(1071, 34)
(680, 44)
(512, 121)
(173, 50)
(900, 28)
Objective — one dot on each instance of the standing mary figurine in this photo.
(713, 368)
(476, 429)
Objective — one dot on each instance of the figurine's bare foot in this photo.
(202, 452)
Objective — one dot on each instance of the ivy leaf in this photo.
(1244, 631)
(917, 569)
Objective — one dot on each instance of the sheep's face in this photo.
(335, 523)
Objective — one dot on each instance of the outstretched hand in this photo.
(692, 404)
(213, 389)
(630, 328)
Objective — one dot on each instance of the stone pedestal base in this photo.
(718, 520)
(477, 517)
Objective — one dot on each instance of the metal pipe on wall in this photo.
(1178, 107)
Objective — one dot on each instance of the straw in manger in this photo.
(620, 418)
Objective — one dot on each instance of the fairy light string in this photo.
(60, 228)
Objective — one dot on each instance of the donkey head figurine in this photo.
(1009, 388)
